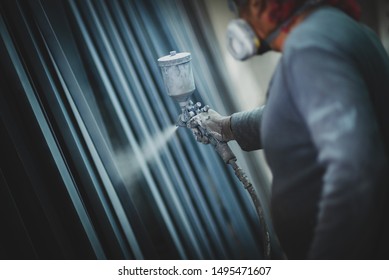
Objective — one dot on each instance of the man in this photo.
(324, 129)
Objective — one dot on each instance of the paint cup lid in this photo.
(174, 58)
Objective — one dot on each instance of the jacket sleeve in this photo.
(246, 128)
(333, 100)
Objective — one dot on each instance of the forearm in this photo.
(246, 128)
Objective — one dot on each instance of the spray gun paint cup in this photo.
(177, 75)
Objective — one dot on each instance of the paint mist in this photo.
(130, 162)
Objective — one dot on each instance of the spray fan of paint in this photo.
(131, 161)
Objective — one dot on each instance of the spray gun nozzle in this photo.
(180, 121)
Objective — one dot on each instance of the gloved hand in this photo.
(214, 124)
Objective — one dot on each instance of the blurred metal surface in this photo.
(88, 70)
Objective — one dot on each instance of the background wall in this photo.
(382, 8)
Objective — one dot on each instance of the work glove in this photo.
(213, 124)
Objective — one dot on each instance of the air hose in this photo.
(229, 157)
(258, 207)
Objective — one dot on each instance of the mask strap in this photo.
(277, 31)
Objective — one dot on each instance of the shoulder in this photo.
(326, 30)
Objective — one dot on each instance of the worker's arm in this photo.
(334, 102)
(246, 128)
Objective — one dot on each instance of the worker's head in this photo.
(281, 10)
(261, 21)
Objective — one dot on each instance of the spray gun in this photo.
(178, 78)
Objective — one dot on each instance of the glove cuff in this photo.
(226, 131)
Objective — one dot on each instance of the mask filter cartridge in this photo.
(242, 42)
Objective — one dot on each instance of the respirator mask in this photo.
(243, 43)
